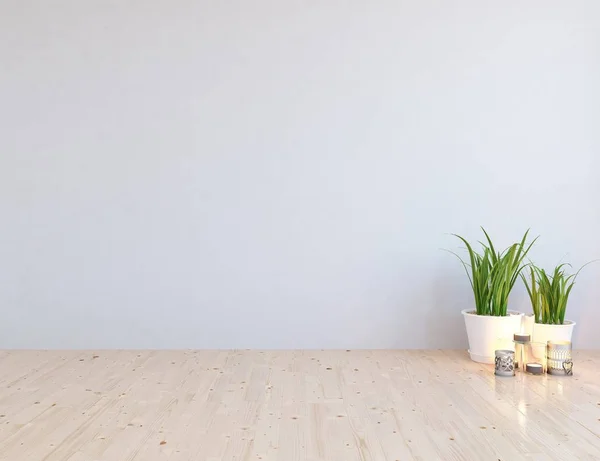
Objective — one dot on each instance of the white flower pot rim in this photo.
(566, 323)
(473, 313)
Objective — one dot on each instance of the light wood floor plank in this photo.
(290, 406)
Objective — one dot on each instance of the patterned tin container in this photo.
(559, 358)
(505, 363)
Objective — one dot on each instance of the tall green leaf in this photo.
(492, 274)
(549, 294)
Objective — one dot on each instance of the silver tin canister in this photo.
(505, 363)
(559, 358)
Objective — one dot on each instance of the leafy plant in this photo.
(493, 274)
(549, 294)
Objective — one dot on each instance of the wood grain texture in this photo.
(290, 406)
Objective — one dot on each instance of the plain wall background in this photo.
(283, 174)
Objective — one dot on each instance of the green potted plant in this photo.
(549, 296)
(492, 274)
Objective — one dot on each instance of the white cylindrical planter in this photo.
(527, 325)
(488, 333)
(543, 333)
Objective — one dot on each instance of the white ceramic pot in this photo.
(527, 325)
(488, 333)
(543, 333)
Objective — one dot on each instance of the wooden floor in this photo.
(290, 406)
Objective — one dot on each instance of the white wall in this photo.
(283, 174)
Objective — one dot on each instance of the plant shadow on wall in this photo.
(434, 325)
(492, 275)
(443, 326)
